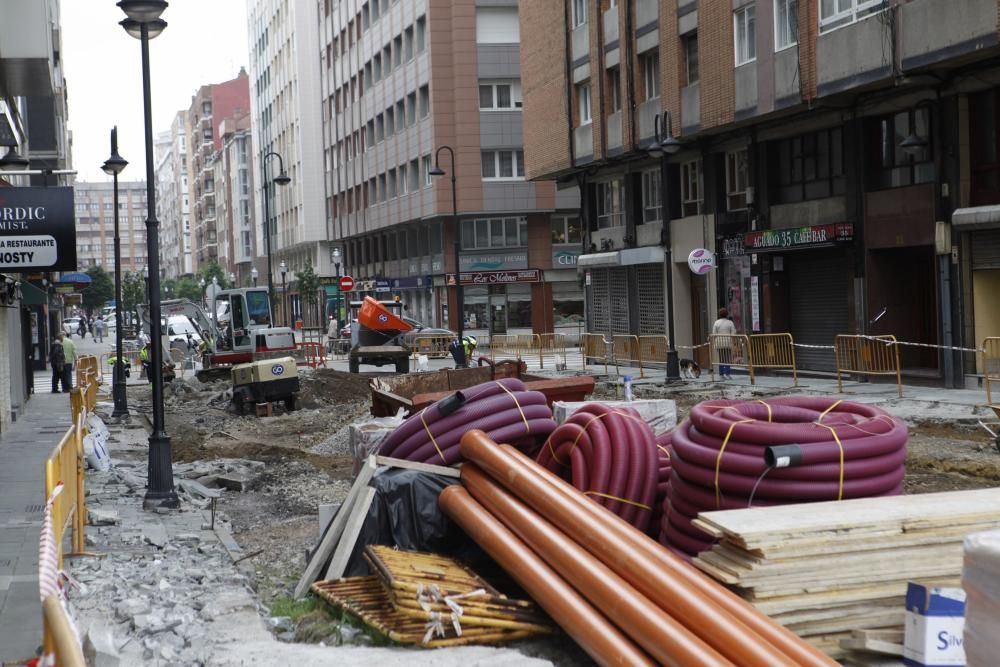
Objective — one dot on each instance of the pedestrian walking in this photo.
(69, 349)
(99, 330)
(724, 346)
(57, 359)
(81, 328)
(332, 333)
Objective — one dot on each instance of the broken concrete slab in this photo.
(155, 534)
(101, 517)
(244, 654)
(196, 489)
(99, 649)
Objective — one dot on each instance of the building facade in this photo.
(286, 104)
(95, 225)
(404, 82)
(830, 154)
(234, 199)
(210, 106)
(172, 199)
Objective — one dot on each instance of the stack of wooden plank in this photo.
(825, 569)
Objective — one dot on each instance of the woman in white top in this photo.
(724, 326)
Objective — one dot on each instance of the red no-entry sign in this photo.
(346, 284)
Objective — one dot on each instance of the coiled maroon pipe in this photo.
(840, 449)
(610, 455)
(663, 449)
(503, 409)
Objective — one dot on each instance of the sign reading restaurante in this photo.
(37, 229)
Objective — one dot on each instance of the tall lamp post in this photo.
(254, 273)
(335, 255)
(232, 279)
(284, 292)
(663, 147)
(281, 179)
(114, 166)
(144, 23)
(459, 290)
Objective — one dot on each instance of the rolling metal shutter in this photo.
(619, 301)
(986, 249)
(819, 287)
(652, 311)
(598, 308)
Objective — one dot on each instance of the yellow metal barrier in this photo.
(60, 639)
(554, 344)
(776, 350)
(626, 350)
(653, 350)
(595, 349)
(432, 345)
(513, 345)
(991, 364)
(867, 355)
(65, 465)
(733, 351)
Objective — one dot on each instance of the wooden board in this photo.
(419, 467)
(352, 530)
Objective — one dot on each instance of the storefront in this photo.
(980, 235)
(498, 301)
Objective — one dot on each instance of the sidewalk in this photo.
(23, 450)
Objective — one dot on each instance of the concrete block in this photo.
(326, 513)
(99, 649)
(101, 517)
(659, 413)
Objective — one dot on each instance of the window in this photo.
(610, 204)
(649, 63)
(497, 25)
(499, 95)
(651, 202)
(614, 90)
(375, 12)
(390, 122)
(427, 170)
(566, 229)
(372, 192)
(381, 188)
(379, 128)
(737, 179)
(786, 23)
(583, 101)
(376, 70)
(408, 44)
(984, 149)
(494, 233)
(579, 12)
(411, 109)
(837, 13)
(414, 176)
(365, 17)
(809, 166)
(391, 184)
(506, 164)
(370, 130)
(889, 165)
(691, 57)
(397, 48)
(421, 34)
(745, 31)
(691, 188)
(425, 101)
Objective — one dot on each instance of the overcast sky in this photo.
(205, 42)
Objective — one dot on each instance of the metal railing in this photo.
(312, 355)
(432, 345)
(626, 351)
(653, 350)
(517, 346)
(867, 355)
(732, 350)
(554, 344)
(774, 351)
(991, 365)
(595, 348)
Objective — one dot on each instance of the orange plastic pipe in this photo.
(729, 624)
(665, 639)
(588, 627)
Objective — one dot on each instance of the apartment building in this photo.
(95, 225)
(286, 119)
(210, 106)
(172, 199)
(404, 82)
(234, 191)
(838, 158)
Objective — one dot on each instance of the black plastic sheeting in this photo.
(404, 514)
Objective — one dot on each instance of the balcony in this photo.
(647, 118)
(610, 28)
(646, 12)
(581, 42)
(583, 143)
(614, 131)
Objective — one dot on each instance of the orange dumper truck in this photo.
(375, 328)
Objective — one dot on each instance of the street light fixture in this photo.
(335, 256)
(459, 290)
(13, 160)
(144, 23)
(281, 179)
(284, 292)
(662, 147)
(254, 274)
(114, 166)
(232, 279)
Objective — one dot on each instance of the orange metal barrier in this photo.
(513, 345)
(867, 355)
(775, 350)
(991, 364)
(653, 350)
(432, 345)
(626, 351)
(554, 344)
(595, 349)
(312, 355)
(731, 350)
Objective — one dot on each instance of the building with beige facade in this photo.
(173, 206)
(95, 225)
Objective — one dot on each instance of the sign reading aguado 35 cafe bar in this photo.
(37, 229)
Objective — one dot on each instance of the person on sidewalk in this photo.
(724, 347)
(332, 332)
(69, 348)
(57, 359)
(99, 330)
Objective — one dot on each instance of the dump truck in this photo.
(373, 337)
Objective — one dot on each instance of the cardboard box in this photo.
(935, 619)
(659, 413)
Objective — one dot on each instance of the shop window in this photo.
(566, 229)
(888, 164)
(610, 204)
(567, 304)
(737, 179)
(809, 166)
(651, 201)
(691, 190)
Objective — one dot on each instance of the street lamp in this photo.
(459, 290)
(335, 255)
(13, 160)
(662, 148)
(284, 292)
(202, 285)
(254, 273)
(144, 23)
(281, 179)
(114, 166)
(232, 279)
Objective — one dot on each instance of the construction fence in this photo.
(991, 365)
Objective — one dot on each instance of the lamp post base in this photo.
(673, 367)
(160, 493)
(121, 407)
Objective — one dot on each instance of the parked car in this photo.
(407, 339)
(71, 325)
(182, 333)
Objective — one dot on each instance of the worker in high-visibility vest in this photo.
(124, 362)
(144, 360)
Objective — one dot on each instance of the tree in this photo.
(214, 270)
(133, 293)
(168, 288)
(188, 288)
(100, 291)
(309, 286)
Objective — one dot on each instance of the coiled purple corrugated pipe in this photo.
(737, 454)
(609, 454)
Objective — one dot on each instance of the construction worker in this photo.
(461, 351)
(144, 360)
(124, 362)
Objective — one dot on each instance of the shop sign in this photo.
(497, 277)
(800, 237)
(502, 261)
(701, 261)
(382, 286)
(409, 283)
(754, 303)
(564, 258)
(732, 246)
(37, 229)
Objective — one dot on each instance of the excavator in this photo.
(239, 331)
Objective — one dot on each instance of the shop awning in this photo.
(597, 259)
(33, 296)
(976, 217)
(649, 254)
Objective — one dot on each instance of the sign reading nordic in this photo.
(37, 229)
